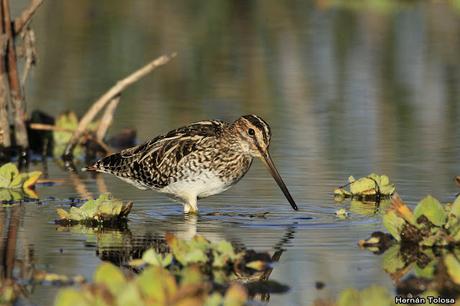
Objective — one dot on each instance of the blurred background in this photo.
(349, 88)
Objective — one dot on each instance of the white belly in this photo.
(203, 185)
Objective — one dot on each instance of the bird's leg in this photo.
(191, 206)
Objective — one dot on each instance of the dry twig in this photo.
(108, 96)
(107, 118)
(17, 100)
(21, 21)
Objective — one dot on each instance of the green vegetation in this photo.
(104, 210)
(66, 123)
(209, 255)
(374, 295)
(369, 188)
(9, 292)
(14, 185)
(153, 286)
(430, 224)
(194, 272)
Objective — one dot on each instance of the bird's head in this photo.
(254, 136)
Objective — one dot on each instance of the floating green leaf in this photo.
(10, 178)
(151, 257)
(372, 186)
(453, 268)
(392, 260)
(432, 209)
(71, 297)
(110, 276)
(104, 209)
(393, 224)
(374, 295)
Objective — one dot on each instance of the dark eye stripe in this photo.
(260, 124)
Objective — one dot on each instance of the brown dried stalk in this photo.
(116, 90)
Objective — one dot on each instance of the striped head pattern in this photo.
(254, 134)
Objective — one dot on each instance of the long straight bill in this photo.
(271, 167)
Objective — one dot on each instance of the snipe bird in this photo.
(196, 161)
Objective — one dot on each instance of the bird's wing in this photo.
(178, 143)
(154, 162)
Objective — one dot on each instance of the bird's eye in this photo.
(251, 132)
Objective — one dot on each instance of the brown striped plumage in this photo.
(195, 161)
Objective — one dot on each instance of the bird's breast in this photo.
(209, 178)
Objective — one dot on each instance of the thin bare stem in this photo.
(21, 21)
(107, 118)
(108, 96)
(13, 79)
(30, 53)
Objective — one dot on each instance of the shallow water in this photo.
(347, 91)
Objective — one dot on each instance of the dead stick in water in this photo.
(107, 118)
(17, 99)
(107, 97)
(26, 15)
(49, 127)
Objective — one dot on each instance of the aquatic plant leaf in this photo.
(348, 297)
(7, 194)
(225, 248)
(368, 187)
(453, 268)
(364, 185)
(76, 214)
(375, 296)
(340, 194)
(214, 299)
(62, 213)
(191, 275)
(182, 251)
(7, 174)
(157, 284)
(32, 178)
(89, 208)
(455, 208)
(393, 224)
(432, 209)
(195, 256)
(427, 271)
(129, 296)
(236, 295)
(110, 276)
(151, 257)
(402, 210)
(102, 209)
(109, 208)
(71, 297)
(392, 260)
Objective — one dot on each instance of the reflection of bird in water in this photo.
(196, 161)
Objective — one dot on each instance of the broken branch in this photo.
(21, 21)
(108, 96)
(107, 118)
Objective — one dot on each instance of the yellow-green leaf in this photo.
(432, 209)
(453, 268)
(111, 276)
(393, 224)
